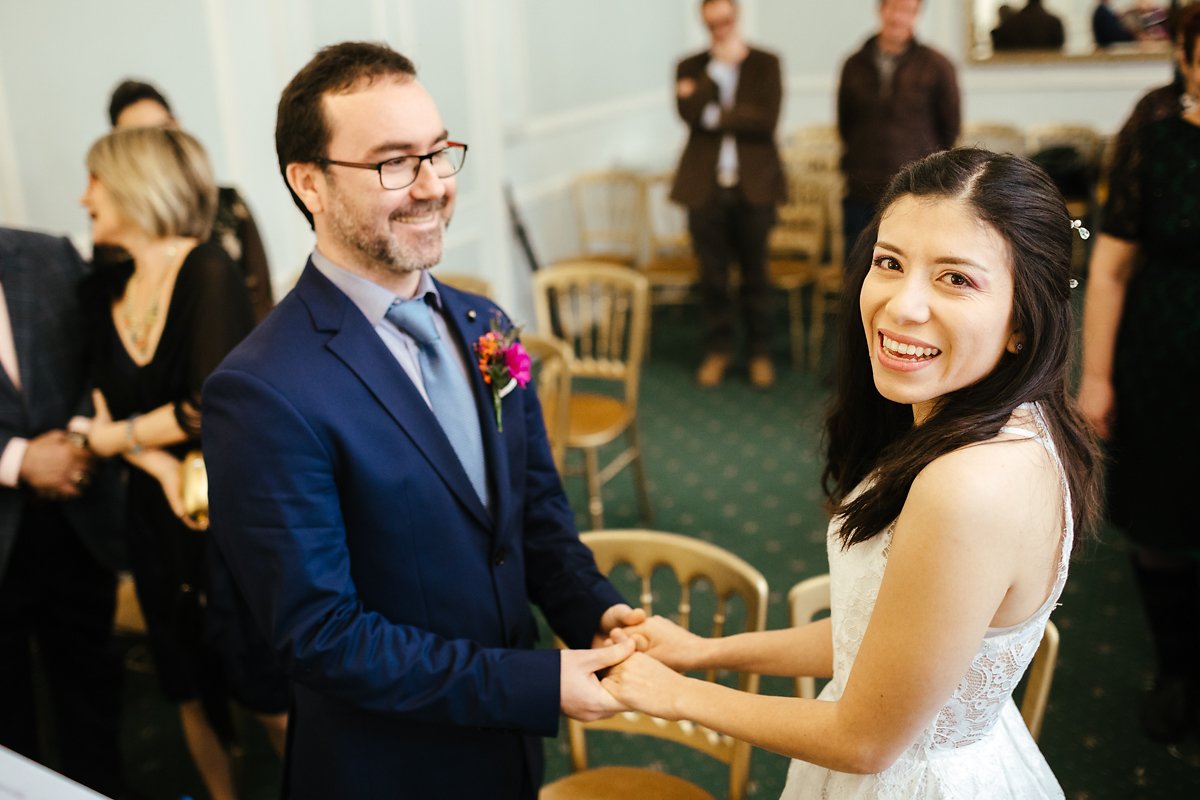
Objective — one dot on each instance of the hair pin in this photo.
(1077, 225)
(1074, 284)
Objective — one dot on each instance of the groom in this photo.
(391, 550)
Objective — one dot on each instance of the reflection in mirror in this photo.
(1046, 30)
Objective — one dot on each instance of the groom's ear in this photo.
(308, 181)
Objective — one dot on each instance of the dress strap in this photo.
(1022, 432)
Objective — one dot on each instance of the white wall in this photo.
(540, 89)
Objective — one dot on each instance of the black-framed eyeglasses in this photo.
(402, 171)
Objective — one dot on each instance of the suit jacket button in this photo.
(499, 556)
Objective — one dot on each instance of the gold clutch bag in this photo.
(195, 488)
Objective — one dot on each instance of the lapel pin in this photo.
(471, 315)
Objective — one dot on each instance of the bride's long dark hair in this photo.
(867, 434)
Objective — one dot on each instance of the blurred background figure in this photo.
(1031, 28)
(897, 101)
(139, 104)
(59, 534)
(1141, 322)
(730, 178)
(160, 325)
(1148, 20)
(1107, 27)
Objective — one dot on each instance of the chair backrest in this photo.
(803, 225)
(468, 283)
(603, 313)
(552, 358)
(1084, 138)
(809, 598)
(806, 601)
(609, 214)
(820, 140)
(999, 137)
(705, 575)
(666, 221)
(1038, 680)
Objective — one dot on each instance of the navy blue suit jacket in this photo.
(402, 605)
(41, 275)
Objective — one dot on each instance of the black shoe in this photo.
(1166, 712)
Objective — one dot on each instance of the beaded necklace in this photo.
(137, 329)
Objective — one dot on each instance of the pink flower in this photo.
(519, 363)
(502, 360)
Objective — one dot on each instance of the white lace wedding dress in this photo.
(977, 746)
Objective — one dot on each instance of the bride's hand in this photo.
(645, 684)
(659, 637)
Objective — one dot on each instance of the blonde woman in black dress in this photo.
(158, 332)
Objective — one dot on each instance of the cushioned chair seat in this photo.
(596, 420)
(605, 783)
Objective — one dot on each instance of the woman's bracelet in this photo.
(132, 445)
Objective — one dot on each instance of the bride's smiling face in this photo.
(937, 302)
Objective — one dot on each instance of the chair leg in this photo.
(817, 334)
(595, 487)
(796, 325)
(639, 476)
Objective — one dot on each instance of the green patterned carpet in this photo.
(740, 468)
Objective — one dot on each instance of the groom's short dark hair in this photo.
(301, 131)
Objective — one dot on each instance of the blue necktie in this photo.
(449, 391)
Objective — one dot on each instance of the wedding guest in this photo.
(730, 179)
(960, 474)
(1030, 28)
(158, 329)
(1107, 27)
(59, 535)
(1140, 323)
(138, 104)
(1162, 102)
(897, 101)
(390, 516)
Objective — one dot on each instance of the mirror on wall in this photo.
(1054, 30)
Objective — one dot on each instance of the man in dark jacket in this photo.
(59, 531)
(897, 101)
(730, 179)
(1031, 28)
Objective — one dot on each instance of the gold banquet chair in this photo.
(609, 214)
(552, 359)
(809, 599)
(705, 575)
(797, 246)
(467, 283)
(128, 619)
(670, 264)
(603, 312)
(999, 137)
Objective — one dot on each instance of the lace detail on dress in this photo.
(976, 745)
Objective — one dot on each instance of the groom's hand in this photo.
(580, 694)
(618, 616)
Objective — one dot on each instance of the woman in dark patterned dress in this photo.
(1141, 328)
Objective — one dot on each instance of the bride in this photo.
(959, 473)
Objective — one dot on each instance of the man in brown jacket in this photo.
(730, 178)
(897, 101)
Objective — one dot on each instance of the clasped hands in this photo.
(634, 665)
(56, 466)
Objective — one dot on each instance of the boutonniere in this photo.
(503, 361)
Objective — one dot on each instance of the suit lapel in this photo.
(467, 330)
(359, 347)
(20, 298)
